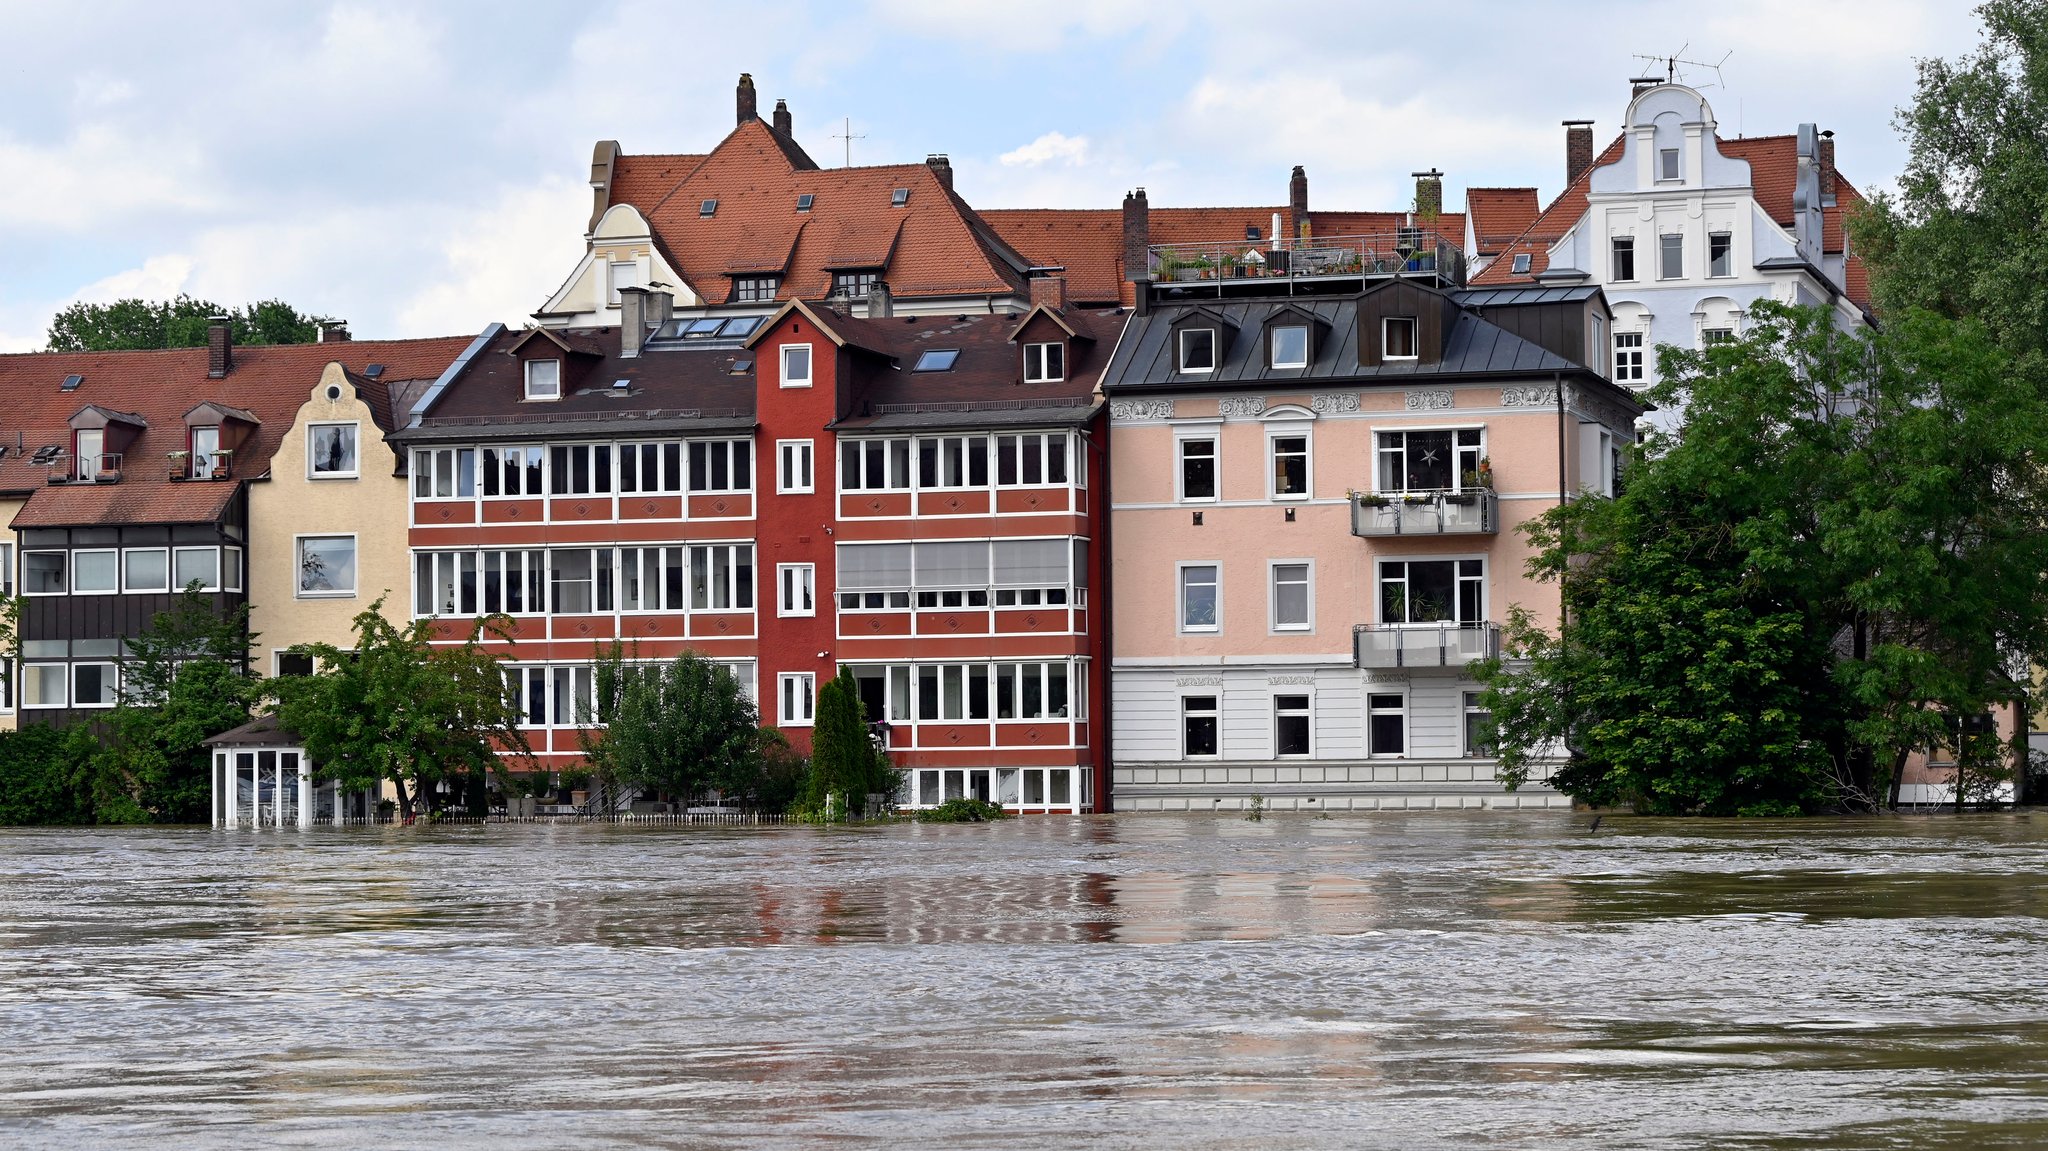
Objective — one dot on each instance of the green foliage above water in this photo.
(963, 811)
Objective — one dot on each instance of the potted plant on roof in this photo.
(222, 458)
(177, 459)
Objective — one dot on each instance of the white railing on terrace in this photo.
(1407, 251)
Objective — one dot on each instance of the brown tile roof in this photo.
(1547, 228)
(491, 393)
(161, 386)
(933, 245)
(1499, 215)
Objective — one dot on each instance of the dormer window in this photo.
(754, 289)
(1667, 164)
(543, 379)
(1045, 363)
(852, 285)
(205, 450)
(1397, 338)
(1198, 350)
(1290, 346)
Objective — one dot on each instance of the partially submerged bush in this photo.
(963, 811)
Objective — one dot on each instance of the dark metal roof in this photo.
(263, 731)
(996, 414)
(1474, 348)
(1522, 294)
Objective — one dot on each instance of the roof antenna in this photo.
(847, 135)
(1671, 64)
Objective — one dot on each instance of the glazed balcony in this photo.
(1429, 645)
(1231, 266)
(1473, 512)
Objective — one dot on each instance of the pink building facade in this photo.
(1315, 480)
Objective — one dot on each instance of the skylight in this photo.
(71, 383)
(936, 360)
(707, 209)
(741, 326)
(804, 201)
(703, 329)
(899, 197)
(742, 365)
(373, 371)
(1521, 263)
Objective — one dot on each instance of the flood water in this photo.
(1454, 980)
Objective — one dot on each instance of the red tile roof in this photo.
(1547, 228)
(161, 386)
(1499, 215)
(933, 245)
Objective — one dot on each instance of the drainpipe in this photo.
(1563, 497)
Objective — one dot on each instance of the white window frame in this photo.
(1036, 362)
(1670, 165)
(113, 681)
(1414, 337)
(538, 396)
(796, 591)
(1615, 247)
(7, 573)
(1630, 359)
(204, 585)
(1468, 707)
(857, 451)
(789, 379)
(203, 460)
(1215, 712)
(1277, 362)
(1664, 270)
(299, 559)
(1308, 582)
(1180, 597)
(796, 467)
(65, 577)
(612, 284)
(1407, 732)
(87, 465)
(75, 565)
(63, 671)
(128, 588)
(796, 691)
(1379, 600)
(1212, 435)
(1727, 235)
(1180, 350)
(1307, 712)
(1303, 432)
(355, 428)
(1598, 349)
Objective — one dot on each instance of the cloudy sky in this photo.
(420, 169)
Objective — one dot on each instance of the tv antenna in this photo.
(847, 135)
(1675, 62)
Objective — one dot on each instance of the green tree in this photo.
(185, 680)
(137, 324)
(404, 709)
(45, 776)
(846, 766)
(1835, 556)
(680, 727)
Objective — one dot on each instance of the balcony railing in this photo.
(104, 468)
(1424, 645)
(1475, 513)
(1407, 251)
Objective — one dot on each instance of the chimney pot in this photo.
(941, 167)
(744, 98)
(220, 346)
(1827, 168)
(1578, 149)
(334, 332)
(632, 321)
(1049, 291)
(782, 117)
(1297, 198)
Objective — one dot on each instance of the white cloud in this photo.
(159, 278)
(500, 264)
(98, 177)
(1069, 150)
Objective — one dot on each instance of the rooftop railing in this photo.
(1423, 645)
(1414, 251)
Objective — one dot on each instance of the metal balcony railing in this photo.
(1405, 251)
(1423, 645)
(1474, 512)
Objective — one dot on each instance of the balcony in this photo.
(1428, 645)
(1439, 513)
(104, 468)
(1282, 263)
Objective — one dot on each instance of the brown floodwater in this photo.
(1419, 980)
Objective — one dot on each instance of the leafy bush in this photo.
(963, 811)
(44, 776)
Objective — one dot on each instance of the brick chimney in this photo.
(1137, 236)
(941, 167)
(744, 98)
(1827, 168)
(782, 120)
(334, 332)
(220, 346)
(880, 305)
(1297, 199)
(1578, 149)
(1429, 194)
(1049, 289)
